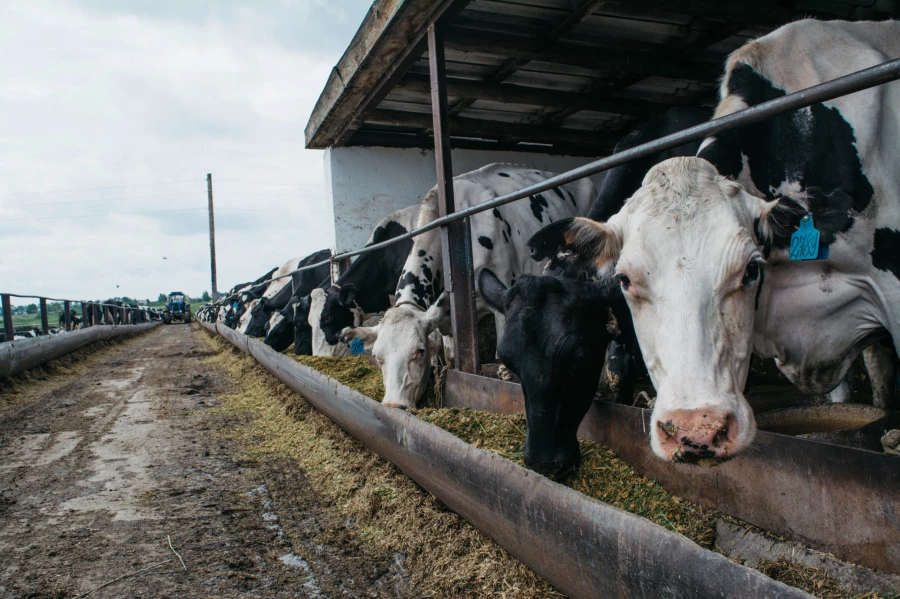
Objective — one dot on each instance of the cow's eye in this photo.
(623, 280)
(420, 352)
(751, 275)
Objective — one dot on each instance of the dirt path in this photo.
(97, 473)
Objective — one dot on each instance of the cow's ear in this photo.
(780, 218)
(438, 315)
(392, 299)
(368, 335)
(347, 295)
(492, 289)
(576, 242)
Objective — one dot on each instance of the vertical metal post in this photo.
(45, 325)
(97, 313)
(456, 238)
(8, 327)
(212, 237)
(67, 314)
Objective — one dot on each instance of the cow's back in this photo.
(500, 235)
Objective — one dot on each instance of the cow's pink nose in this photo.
(689, 435)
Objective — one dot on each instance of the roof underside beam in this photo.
(478, 128)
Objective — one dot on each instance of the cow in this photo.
(400, 341)
(553, 340)
(73, 319)
(369, 283)
(245, 317)
(702, 250)
(281, 292)
(366, 286)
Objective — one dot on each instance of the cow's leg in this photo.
(499, 325)
(882, 371)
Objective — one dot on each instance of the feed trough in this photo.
(855, 425)
(583, 547)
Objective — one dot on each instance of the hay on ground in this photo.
(373, 501)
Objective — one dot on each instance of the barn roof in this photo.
(555, 76)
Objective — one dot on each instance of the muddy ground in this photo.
(100, 467)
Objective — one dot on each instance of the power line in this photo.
(299, 183)
(164, 195)
(105, 214)
(20, 193)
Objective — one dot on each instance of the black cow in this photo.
(556, 322)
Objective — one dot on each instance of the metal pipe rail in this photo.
(9, 328)
(842, 86)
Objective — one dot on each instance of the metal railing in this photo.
(842, 86)
(93, 313)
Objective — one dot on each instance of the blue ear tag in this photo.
(357, 347)
(805, 242)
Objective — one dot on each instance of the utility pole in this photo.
(212, 237)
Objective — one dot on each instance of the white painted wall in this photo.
(367, 184)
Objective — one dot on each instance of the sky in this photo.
(111, 115)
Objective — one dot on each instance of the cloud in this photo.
(132, 96)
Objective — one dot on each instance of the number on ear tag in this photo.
(805, 241)
(357, 347)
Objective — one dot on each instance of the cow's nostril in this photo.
(721, 435)
(669, 429)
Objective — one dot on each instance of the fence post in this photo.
(8, 327)
(45, 325)
(67, 314)
(95, 310)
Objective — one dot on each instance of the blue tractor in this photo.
(178, 308)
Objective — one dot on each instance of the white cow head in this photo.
(400, 345)
(689, 251)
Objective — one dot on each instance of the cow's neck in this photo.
(372, 279)
(800, 308)
(421, 280)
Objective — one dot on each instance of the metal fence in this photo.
(458, 269)
(93, 313)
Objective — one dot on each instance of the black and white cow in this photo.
(279, 292)
(279, 328)
(370, 282)
(702, 249)
(400, 342)
(554, 340)
(365, 286)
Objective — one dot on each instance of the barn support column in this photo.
(45, 325)
(8, 327)
(456, 238)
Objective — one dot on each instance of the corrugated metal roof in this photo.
(562, 76)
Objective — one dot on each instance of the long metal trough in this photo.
(19, 356)
(583, 547)
(837, 499)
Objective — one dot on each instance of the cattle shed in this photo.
(428, 89)
(551, 84)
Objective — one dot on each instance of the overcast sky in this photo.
(118, 109)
